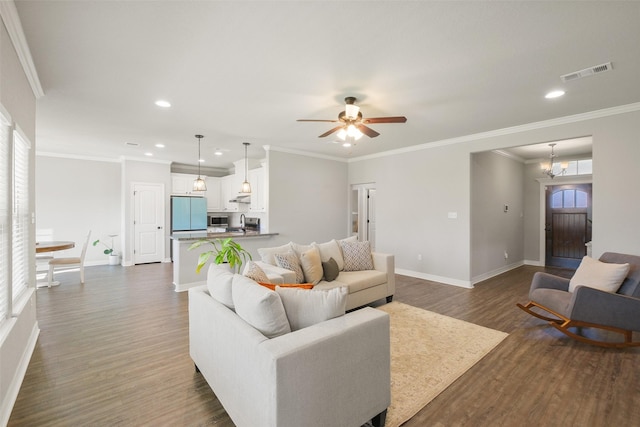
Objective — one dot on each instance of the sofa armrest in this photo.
(605, 308)
(548, 281)
(277, 275)
(335, 372)
(386, 263)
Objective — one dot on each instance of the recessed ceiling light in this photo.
(148, 154)
(346, 144)
(160, 145)
(217, 152)
(201, 160)
(162, 103)
(554, 94)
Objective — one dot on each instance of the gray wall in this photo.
(78, 195)
(496, 181)
(18, 334)
(417, 188)
(307, 198)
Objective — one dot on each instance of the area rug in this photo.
(429, 352)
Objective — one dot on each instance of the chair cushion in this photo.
(553, 299)
(599, 275)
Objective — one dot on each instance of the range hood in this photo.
(241, 198)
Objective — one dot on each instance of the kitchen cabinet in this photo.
(230, 187)
(214, 194)
(182, 184)
(257, 180)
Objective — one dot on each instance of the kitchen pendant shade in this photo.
(199, 184)
(246, 186)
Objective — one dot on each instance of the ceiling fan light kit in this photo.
(352, 123)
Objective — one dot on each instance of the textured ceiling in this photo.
(245, 71)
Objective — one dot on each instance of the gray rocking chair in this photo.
(588, 307)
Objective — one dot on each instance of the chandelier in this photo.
(547, 168)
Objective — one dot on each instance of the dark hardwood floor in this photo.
(115, 352)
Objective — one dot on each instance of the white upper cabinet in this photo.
(182, 184)
(257, 180)
(214, 194)
(230, 188)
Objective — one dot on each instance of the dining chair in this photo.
(70, 262)
(42, 260)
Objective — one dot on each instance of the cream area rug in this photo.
(429, 352)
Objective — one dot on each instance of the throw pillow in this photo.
(306, 308)
(268, 254)
(599, 275)
(311, 265)
(331, 249)
(219, 280)
(259, 307)
(357, 256)
(255, 273)
(330, 270)
(298, 248)
(272, 286)
(290, 262)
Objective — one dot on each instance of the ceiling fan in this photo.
(352, 124)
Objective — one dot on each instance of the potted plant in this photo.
(225, 251)
(114, 258)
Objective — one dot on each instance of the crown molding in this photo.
(268, 148)
(606, 112)
(77, 157)
(12, 22)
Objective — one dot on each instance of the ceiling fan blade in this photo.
(397, 119)
(329, 132)
(313, 120)
(367, 131)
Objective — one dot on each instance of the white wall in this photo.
(18, 334)
(307, 198)
(74, 196)
(417, 188)
(496, 181)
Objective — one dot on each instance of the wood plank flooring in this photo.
(114, 352)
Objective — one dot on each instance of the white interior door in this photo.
(148, 226)
(371, 217)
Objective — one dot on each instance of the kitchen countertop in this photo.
(222, 235)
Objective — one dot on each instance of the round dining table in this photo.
(51, 246)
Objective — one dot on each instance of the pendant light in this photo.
(547, 168)
(199, 184)
(246, 186)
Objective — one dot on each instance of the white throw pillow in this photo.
(357, 256)
(299, 249)
(311, 265)
(267, 254)
(308, 307)
(599, 275)
(219, 280)
(259, 307)
(290, 262)
(331, 249)
(255, 273)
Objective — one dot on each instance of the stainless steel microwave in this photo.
(218, 221)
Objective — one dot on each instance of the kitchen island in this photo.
(186, 261)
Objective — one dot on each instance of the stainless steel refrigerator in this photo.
(188, 214)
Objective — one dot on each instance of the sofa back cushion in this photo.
(219, 281)
(331, 249)
(268, 254)
(308, 307)
(259, 307)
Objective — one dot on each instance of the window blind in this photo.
(20, 249)
(5, 174)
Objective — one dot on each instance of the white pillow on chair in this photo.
(599, 275)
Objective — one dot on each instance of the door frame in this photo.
(132, 237)
(558, 180)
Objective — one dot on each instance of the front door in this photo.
(148, 226)
(567, 224)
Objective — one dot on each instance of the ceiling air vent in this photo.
(587, 72)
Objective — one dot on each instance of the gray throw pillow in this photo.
(330, 270)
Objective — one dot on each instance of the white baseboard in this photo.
(496, 272)
(16, 381)
(433, 278)
(185, 286)
(535, 263)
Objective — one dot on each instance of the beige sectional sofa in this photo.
(365, 286)
(332, 373)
